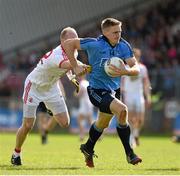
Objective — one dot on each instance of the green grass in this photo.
(61, 156)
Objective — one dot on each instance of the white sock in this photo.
(16, 154)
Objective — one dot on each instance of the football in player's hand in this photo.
(115, 61)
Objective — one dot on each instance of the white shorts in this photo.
(134, 102)
(32, 97)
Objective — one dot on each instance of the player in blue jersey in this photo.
(103, 90)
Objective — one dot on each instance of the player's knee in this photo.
(122, 118)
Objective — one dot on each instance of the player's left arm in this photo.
(73, 79)
(130, 59)
(133, 69)
(147, 87)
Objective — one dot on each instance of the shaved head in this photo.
(68, 33)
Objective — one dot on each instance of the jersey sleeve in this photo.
(50, 59)
(87, 43)
(127, 50)
(58, 60)
(59, 57)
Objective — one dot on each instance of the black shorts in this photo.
(102, 98)
(42, 108)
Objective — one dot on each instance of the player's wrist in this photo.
(75, 68)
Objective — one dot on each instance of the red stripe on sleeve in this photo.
(65, 58)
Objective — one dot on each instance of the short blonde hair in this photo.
(108, 22)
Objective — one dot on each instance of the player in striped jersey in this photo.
(41, 85)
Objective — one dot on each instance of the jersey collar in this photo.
(106, 39)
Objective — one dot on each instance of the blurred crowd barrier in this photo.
(159, 117)
(10, 114)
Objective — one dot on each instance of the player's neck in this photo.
(107, 40)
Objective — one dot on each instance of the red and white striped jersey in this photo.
(48, 70)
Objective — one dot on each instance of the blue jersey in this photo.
(99, 50)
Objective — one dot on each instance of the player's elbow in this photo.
(71, 44)
(66, 65)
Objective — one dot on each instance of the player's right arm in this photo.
(70, 46)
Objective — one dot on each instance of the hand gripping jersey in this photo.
(48, 71)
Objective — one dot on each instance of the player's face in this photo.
(113, 34)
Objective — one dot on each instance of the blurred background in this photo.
(30, 28)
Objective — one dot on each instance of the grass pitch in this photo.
(61, 156)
